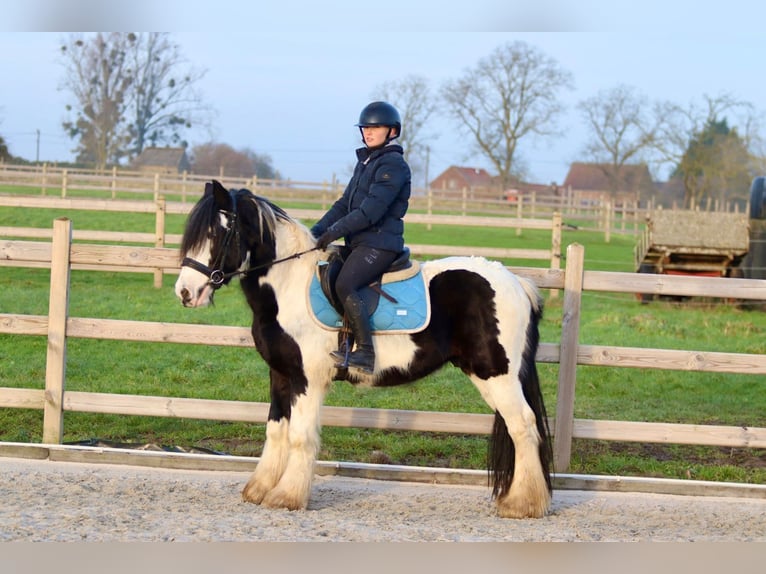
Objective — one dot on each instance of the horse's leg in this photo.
(271, 463)
(523, 490)
(294, 487)
(273, 459)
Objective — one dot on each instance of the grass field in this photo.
(239, 374)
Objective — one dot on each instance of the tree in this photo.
(130, 90)
(412, 97)
(509, 95)
(715, 162)
(214, 158)
(5, 155)
(622, 131)
(711, 159)
(163, 98)
(98, 78)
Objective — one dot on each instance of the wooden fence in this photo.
(602, 214)
(62, 255)
(160, 238)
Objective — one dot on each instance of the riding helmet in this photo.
(380, 114)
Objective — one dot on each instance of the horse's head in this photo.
(231, 233)
(211, 247)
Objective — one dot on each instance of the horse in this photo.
(483, 319)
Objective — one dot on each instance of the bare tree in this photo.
(622, 131)
(163, 98)
(97, 77)
(509, 95)
(413, 98)
(712, 159)
(5, 155)
(130, 90)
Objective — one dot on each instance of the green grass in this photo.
(239, 374)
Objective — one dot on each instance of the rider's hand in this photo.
(325, 239)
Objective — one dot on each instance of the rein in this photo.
(217, 277)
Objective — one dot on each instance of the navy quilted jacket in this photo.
(371, 210)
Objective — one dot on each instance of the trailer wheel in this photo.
(758, 198)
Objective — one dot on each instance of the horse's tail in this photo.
(502, 451)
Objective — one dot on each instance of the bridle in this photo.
(216, 276)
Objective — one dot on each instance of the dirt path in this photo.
(66, 501)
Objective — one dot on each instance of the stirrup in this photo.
(341, 354)
(341, 358)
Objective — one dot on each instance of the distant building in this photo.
(477, 181)
(162, 160)
(591, 182)
(479, 184)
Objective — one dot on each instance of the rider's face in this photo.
(375, 135)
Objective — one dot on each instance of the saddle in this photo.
(397, 301)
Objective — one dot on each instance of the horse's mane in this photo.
(249, 206)
(252, 207)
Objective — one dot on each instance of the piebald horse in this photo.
(483, 319)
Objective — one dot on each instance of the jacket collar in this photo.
(364, 154)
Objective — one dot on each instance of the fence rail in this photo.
(57, 326)
(602, 214)
(160, 238)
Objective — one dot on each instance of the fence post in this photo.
(58, 310)
(570, 333)
(555, 248)
(429, 206)
(183, 187)
(327, 189)
(159, 236)
(519, 211)
(45, 179)
(114, 182)
(63, 183)
(156, 186)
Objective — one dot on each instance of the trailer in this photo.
(684, 242)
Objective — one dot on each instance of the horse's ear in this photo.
(208, 188)
(220, 193)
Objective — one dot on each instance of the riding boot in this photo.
(363, 356)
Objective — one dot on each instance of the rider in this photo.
(369, 215)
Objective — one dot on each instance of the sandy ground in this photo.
(67, 501)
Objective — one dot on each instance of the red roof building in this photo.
(593, 181)
(456, 178)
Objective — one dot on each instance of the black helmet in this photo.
(380, 114)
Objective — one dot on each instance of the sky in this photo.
(289, 79)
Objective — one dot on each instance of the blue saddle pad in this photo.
(409, 314)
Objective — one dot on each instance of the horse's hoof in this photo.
(516, 508)
(253, 493)
(278, 499)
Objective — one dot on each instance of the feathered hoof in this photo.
(254, 492)
(277, 498)
(524, 508)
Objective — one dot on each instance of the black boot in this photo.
(363, 357)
